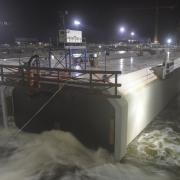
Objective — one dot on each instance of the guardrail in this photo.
(34, 76)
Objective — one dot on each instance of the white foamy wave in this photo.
(56, 155)
(119, 172)
(35, 155)
(160, 146)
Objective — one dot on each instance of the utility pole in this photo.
(62, 16)
(156, 28)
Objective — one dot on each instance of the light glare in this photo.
(122, 29)
(121, 52)
(52, 57)
(95, 55)
(77, 55)
(169, 40)
(132, 34)
(77, 23)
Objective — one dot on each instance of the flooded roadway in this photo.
(117, 61)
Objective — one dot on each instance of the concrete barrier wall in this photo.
(140, 103)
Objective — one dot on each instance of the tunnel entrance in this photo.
(89, 117)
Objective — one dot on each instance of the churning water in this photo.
(55, 155)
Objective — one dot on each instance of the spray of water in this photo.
(58, 155)
(55, 155)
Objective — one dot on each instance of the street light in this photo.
(77, 22)
(122, 29)
(132, 34)
(169, 41)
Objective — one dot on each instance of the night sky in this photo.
(100, 19)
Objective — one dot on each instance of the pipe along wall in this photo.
(95, 120)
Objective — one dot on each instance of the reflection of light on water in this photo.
(77, 67)
(132, 60)
(95, 55)
(52, 57)
(168, 55)
(121, 52)
(76, 55)
(121, 63)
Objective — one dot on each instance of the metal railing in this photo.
(92, 79)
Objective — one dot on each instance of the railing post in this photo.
(85, 58)
(28, 76)
(22, 72)
(90, 79)
(2, 74)
(116, 84)
(70, 61)
(66, 63)
(49, 59)
(58, 75)
(4, 105)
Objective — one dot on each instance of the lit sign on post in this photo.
(70, 36)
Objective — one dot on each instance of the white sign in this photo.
(70, 36)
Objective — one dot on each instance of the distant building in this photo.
(4, 23)
(26, 41)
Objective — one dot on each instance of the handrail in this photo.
(62, 70)
(93, 79)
